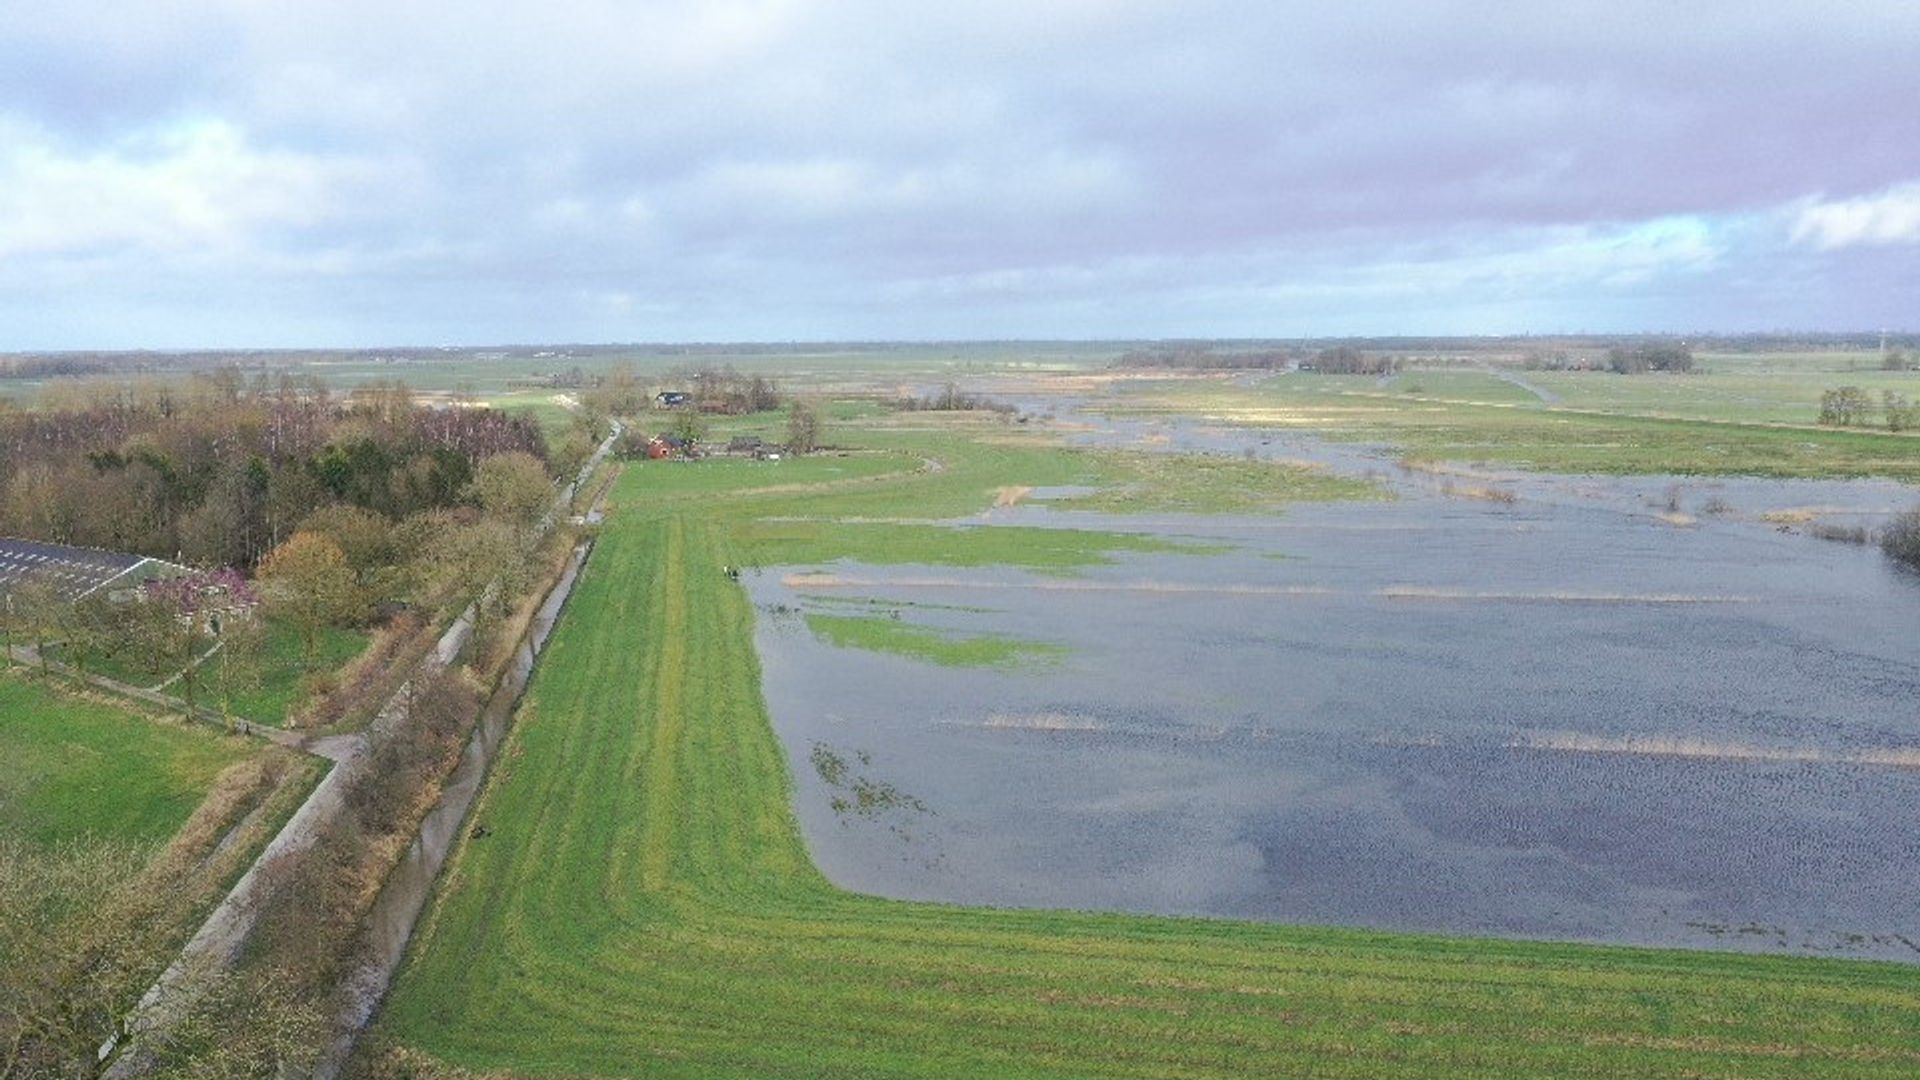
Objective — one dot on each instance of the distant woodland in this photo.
(218, 469)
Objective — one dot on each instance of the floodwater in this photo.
(1580, 715)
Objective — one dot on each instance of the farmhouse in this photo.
(73, 572)
(661, 447)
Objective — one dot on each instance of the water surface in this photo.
(1568, 717)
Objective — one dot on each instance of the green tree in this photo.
(688, 424)
(370, 543)
(572, 450)
(512, 487)
(308, 582)
(1844, 406)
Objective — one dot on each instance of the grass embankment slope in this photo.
(1706, 424)
(644, 904)
(72, 768)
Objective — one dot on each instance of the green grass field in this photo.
(1604, 423)
(283, 670)
(73, 768)
(278, 687)
(644, 905)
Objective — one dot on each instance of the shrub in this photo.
(1845, 534)
(1347, 360)
(1900, 412)
(1901, 541)
(1844, 406)
(1651, 357)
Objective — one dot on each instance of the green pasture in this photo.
(1625, 424)
(72, 767)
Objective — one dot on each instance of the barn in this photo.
(76, 572)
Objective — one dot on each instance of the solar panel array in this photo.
(70, 571)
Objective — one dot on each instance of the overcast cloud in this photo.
(246, 173)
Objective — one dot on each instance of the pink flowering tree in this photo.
(184, 617)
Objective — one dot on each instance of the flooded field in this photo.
(1624, 710)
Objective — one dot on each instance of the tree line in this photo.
(1205, 359)
(217, 470)
(1649, 356)
(1851, 406)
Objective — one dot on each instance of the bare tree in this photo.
(241, 665)
(85, 928)
(87, 629)
(1844, 406)
(38, 608)
(803, 428)
(1899, 411)
(1901, 540)
(186, 616)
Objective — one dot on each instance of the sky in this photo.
(232, 173)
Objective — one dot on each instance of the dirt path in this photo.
(1546, 396)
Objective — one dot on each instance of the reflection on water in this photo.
(1561, 717)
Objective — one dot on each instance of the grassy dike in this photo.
(644, 904)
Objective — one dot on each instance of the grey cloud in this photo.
(781, 168)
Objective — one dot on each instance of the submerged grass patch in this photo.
(879, 633)
(907, 494)
(1211, 484)
(894, 605)
(809, 543)
(644, 905)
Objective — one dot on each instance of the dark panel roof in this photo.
(72, 571)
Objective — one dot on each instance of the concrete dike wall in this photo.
(218, 943)
(396, 911)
